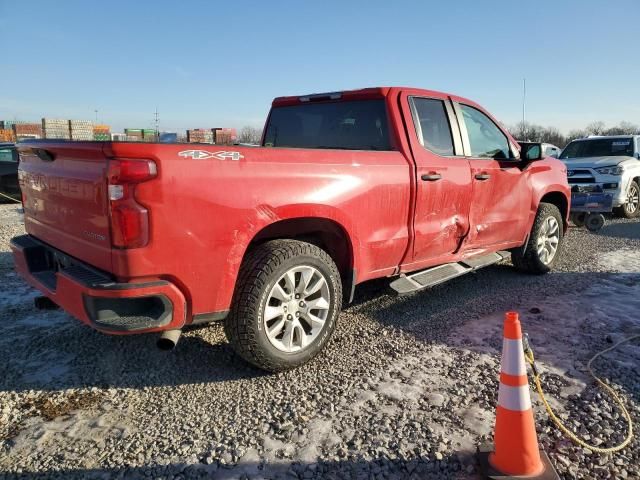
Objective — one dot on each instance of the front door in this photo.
(501, 196)
(443, 180)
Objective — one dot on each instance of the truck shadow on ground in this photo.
(626, 230)
(448, 467)
(127, 362)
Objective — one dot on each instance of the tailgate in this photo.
(65, 198)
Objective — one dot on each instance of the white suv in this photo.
(608, 163)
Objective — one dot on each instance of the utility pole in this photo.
(524, 101)
(96, 112)
(157, 121)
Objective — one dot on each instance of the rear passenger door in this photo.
(501, 195)
(443, 180)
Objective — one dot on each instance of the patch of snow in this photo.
(624, 260)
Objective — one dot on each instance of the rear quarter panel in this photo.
(204, 213)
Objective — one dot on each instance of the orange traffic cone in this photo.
(516, 453)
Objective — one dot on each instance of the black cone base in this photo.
(488, 471)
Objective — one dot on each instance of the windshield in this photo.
(599, 147)
(348, 125)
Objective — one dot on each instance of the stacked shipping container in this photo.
(149, 135)
(225, 136)
(27, 130)
(9, 124)
(53, 128)
(101, 133)
(56, 128)
(200, 135)
(133, 134)
(81, 130)
(7, 135)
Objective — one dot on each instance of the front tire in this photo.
(631, 209)
(545, 242)
(286, 303)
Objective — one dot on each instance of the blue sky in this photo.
(210, 63)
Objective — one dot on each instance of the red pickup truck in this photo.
(416, 185)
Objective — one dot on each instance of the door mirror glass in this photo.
(531, 151)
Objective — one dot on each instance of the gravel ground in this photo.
(406, 389)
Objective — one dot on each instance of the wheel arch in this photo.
(560, 200)
(325, 233)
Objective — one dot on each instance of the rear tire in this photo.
(595, 221)
(267, 325)
(539, 255)
(631, 209)
(578, 219)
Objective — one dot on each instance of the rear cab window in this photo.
(343, 125)
(432, 125)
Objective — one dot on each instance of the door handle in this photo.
(431, 177)
(482, 176)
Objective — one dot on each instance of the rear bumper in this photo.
(93, 296)
(615, 186)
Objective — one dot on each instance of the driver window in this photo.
(485, 138)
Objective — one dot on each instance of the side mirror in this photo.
(531, 151)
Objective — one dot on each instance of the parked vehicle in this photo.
(550, 150)
(610, 164)
(9, 172)
(416, 185)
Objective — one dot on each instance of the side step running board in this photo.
(442, 273)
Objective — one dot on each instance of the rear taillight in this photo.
(129, 219)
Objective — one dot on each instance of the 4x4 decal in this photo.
(204, 155)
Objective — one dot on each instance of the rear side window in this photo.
(485, 138)
(348, 125)
(432, 126)
(8, 155)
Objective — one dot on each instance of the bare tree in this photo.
(623, 128)
(552, 135)
(596, 128)
(535, 133)
(573, 134)
(251, 135)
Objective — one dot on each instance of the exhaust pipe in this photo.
(169, 339)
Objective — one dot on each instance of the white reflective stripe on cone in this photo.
(514, 398)
(512, 362)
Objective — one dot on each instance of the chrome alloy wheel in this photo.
(633, 200)
(548, 240)
(296, 309)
